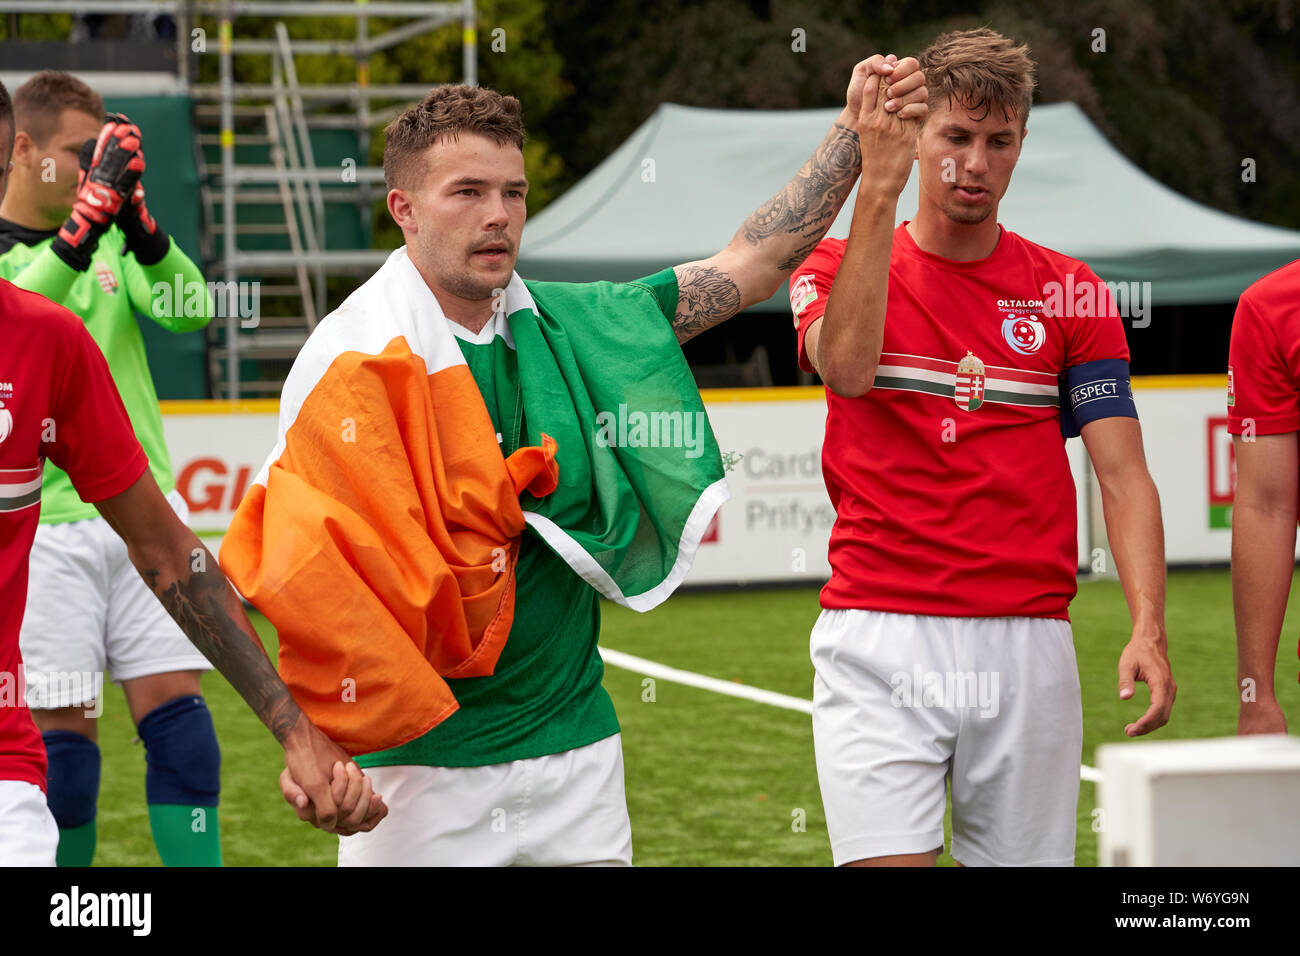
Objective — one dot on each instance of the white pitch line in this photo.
(630, 662)
(690, 679)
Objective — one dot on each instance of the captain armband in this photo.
(1095, 390)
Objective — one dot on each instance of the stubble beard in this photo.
(468, 286)
(966, 215)
(462, 281)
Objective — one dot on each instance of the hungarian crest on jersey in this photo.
(969, 389)
(107, 281)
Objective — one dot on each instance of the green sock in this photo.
(76, 845)
(185, 836)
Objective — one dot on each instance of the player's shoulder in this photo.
(366, 320)
(821, 264)
(1279, 288)
(657, 289)
(374, 316)
(832, 246)
(348, 328)
(34, 317)
(828, 252)
(1042, 257)
(668, 274)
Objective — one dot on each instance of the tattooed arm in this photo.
(782, 232)
(186, 578)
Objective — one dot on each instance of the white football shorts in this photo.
(28, 834)
(88, 611)
(903, 703)
(565, 809)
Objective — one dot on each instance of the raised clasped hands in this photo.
(887, 97)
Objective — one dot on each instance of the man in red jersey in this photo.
(944, 648)
(58, 402)
(1263, 418)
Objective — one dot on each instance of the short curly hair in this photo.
(980, 69)
(447, 111)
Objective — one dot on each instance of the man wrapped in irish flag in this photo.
(467, 461)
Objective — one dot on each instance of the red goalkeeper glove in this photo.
(111, 172)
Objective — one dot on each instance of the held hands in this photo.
(887, 98)
(325, 787)
(905, 82)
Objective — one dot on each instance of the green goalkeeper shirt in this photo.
(545, 695)
(106, 297)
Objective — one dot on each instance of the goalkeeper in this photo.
(85, 239)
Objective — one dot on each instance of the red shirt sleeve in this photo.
(1098, 333)
(810, 287)
(1261, 374)
(90, 436)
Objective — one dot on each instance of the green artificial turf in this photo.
(712, 779)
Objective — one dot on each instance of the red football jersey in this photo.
(952, 490)
(57, 401)
(1264, 356)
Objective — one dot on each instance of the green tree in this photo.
(1187, 90)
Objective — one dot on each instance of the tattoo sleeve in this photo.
(775, 238)
(789, 225)
(209, 612)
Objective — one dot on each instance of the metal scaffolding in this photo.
(293, 177)
(280, 116)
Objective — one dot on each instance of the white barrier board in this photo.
(777, 525)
